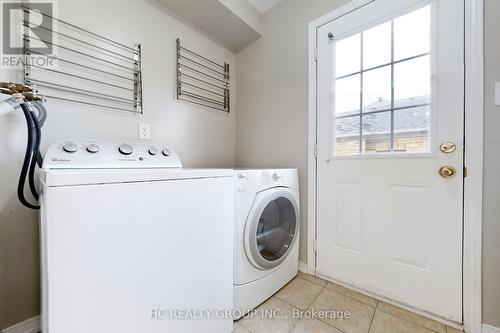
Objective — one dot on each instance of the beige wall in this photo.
(272, 116)
(491, 211)
(271, 125)
(202, 138)
(272, 113)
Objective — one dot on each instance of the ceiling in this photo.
(236, 23)
(264, 5)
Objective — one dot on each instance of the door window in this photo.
(382, 87)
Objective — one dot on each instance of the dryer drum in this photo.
(273, 230)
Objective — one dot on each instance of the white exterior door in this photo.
(390, 84)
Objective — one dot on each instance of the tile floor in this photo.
(309, 293)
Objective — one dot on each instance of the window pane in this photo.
(348, 55)
(347, 136)
(412, 34)
(388, 125)
(377, 46)
(376, 133)
(412, 130)
(377, 89)
(412, 82)
(347, 94)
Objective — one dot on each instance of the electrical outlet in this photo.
(497, 93)
(144, 131)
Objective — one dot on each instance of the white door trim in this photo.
(473, 186)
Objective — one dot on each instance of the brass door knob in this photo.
(447, 171)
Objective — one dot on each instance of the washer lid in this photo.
(95, 154)
(70, 177)
(272, 228)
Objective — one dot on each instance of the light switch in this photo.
(497, 94)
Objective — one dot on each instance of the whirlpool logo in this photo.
(29, 33)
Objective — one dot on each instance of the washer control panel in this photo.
(91, 154)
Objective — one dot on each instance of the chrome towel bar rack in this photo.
(201, 81)
(90, 69)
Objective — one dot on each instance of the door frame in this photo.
(473, 183)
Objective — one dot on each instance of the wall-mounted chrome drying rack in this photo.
(87, 68)
(202, 81)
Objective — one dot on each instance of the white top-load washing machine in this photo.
(131, 242)
(266, 234)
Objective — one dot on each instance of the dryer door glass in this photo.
(276, 229)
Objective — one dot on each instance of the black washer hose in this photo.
(28, 156)
(36, 151)
(42, 116)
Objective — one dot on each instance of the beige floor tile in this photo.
(313, 279)
(360, 314)
(313, 326)
(452, 330)
(386, 323)
(299, 293)
(239, 329)
(352, 294)
(260, 321)
(413, 317)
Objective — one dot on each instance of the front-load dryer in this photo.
(266, 234)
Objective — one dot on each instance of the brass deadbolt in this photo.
(448, 147)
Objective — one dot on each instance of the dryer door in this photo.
(272, 227)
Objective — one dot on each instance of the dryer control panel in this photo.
(92, 154)
(255, 180)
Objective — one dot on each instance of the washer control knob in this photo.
(93, 148)
(125, 149)
(153, 151)
(70, 147)
(166, 152)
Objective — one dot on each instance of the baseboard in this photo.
(303, 267)
(490, 329)
(28, 326)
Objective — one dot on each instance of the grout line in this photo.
(334, 291)
(282, 288)
(298, 277)
(378, 302)
(349, 289)
(373, 316)
(244, 327)
(340, 292)
(325, 288)
(414, 323)
(315, 298)
(326, 282)
(312, 302)
(293, 326)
